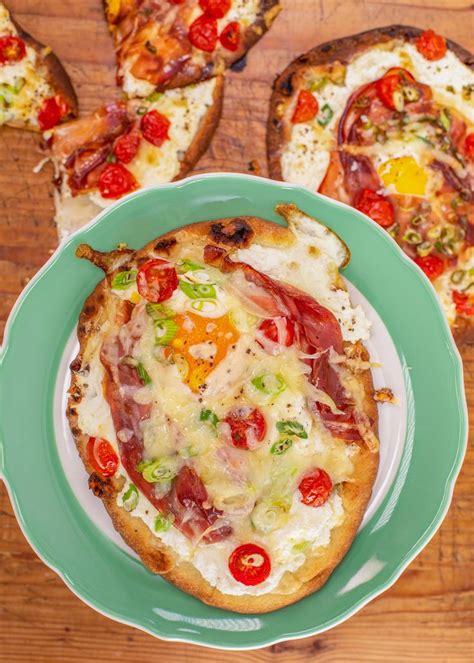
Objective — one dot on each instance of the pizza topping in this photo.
(325, 116)
(130, 498)
(51, 112)
(116, 181)
(157, 280)
(163, 523)
(102, 456)
(161, 470)
(469, 146)
(378, 207)
(126, 147)
(230, 36)
(123, 280)
(396, 88)
(215, 8)
(306, 107)
(250, 564)
(270, 514)
(464, 302)
(290, 427)
(247, 427)
(279, 330)
(271, 384)
(281, 447)
(431, 45)
(165, 331)
(432, 266)
(12, 49)
(154, 127)
(203, 33)
(315, 488)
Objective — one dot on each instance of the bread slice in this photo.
(306, 253)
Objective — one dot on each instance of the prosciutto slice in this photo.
(187, 501)
(317, 331)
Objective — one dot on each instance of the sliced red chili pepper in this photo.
(250, 564)
(280, 331)
(102, 456)
(464, 302)
(378, 207)
(215, 8)
(469, 146)
(126, 147)
(157, 280)
(203, 33)
(230, 36)
(115, 181)
(315, 488)
(431, 45)
(51, 112)
(433, 266)
(247, 427)
(306, 107)
(12, 49)
(154, 127)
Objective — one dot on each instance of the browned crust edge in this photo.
(230, 233)
(57, 75)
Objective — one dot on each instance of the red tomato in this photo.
(176, 2)
(154, 127)
(393, 80)
(247, 426)
(433, 266)
(12, 49)
(51, 112)
(315, 488)
(215, 8)
(464, 302)
(306, 107)
(126, 147)
(431, 45)
(115, 181)
(283, 332)
(250, 564)
(469, 146)
(102, 456)
(230, 36)
(157, 280)
(379, 208)
(203, 33)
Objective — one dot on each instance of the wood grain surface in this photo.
(428, 614)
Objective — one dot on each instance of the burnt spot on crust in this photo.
(165, 244)
(101, 487)
(75, 365)
(76, 395)
(285, 86)
(239, 65)
(236, 233)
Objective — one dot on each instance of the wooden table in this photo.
(428, 614)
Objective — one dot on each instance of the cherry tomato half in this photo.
(230, 36)
(102, 456)
(464, 302)
(250, 564)
(247, 427)
(115, 181)
(203, 33)
(280, 330)
(157, 280)
(469, 146)
(215, 8)
(315, 488)
(51, 113)
(433, 266)
(126, 147)
(431, 45)
(392, 82)
(379, 208)
(154, 127)
(12, 49)
(306, 107)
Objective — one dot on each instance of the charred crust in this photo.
(239, 65)
(165, 244)
(101, 487)
(236, 233)
(75, 365)
(285, 85)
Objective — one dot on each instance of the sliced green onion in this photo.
(154, 96)
(268, 516)
(412, 237)
(270, 383)
(159, 312)
(141, 110)
(424, 248)
(417, 220)
(198, 290)
(319, 85)
(291, 427)
(457, 276)
(210, 416)
(325, 115)
(123, 280)
(411, 93)
(444, 119)
(398, 100)
(448, 233)
(281, 446)
(143, 374)
(130, 498)
(393, 230)
(204, 305)
(165, 331)
(163, 523)
(183, 266)
(163, 469)
(434, 232)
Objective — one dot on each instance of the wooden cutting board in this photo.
(428, 614)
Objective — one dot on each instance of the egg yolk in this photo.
(405, 175)
(200, 345)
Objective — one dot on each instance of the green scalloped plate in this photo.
(53, 513)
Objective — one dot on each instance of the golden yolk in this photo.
(200, 345)
(405, 175)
